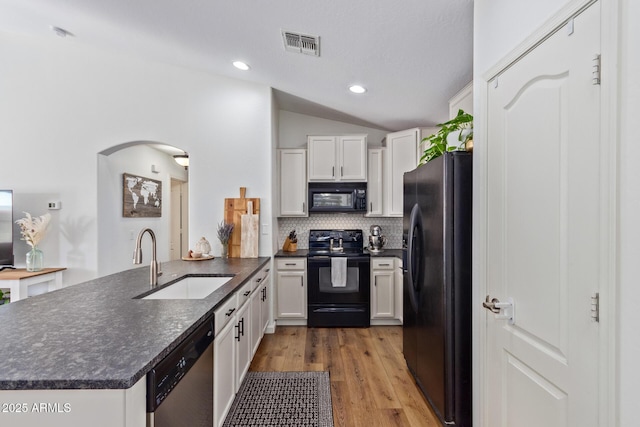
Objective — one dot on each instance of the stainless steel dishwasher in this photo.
(180, 387)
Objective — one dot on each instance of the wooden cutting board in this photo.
(249, 237)
(233, 211)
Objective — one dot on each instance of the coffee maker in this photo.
(376, 239)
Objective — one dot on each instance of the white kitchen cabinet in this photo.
(462, 100)
(375, 163)
(239, 329)
(291, 284)
(292, 170)
(399, 284)
(224, 371)
(265, 298)
(403, 153)
(337, 158)
(243, 343)
(383, 290)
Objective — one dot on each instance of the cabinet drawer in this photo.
(226, 312)
(382, 263)
(260, 277)
(291, 264)
(244, 293)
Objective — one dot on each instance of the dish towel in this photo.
(338, 272)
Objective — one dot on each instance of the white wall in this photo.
(116, 234)
(294, 128)
(63, 102)
(500, 25)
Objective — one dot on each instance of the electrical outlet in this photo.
(54, 205)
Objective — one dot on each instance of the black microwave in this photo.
(338, 197)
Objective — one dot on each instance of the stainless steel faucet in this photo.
(137, 256)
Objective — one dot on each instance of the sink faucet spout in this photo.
(137, 255)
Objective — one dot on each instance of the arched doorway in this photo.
(117, 228)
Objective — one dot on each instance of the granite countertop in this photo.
(96, 335)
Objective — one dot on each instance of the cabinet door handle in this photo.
(370, 206)
(238, 330)
(333, 171)
(341, 171)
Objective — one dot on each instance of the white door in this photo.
(544, 197)
(179, 244)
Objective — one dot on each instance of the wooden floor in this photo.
(370, 382)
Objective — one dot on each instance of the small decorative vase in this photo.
(203, 246)
(34, 259)
(225, 250)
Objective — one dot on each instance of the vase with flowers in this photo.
(224, 234)
(33, 229)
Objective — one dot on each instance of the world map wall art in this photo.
(142, 197)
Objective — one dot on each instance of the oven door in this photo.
(321, 290)
(344, 304)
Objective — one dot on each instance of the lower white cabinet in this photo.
(260, 310)
(224, 372)
(240, 324)
(243, 343)
(386, 291)
(399, 289)
(291, 283)
(383, 290)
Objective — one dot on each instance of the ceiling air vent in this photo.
(301, 43)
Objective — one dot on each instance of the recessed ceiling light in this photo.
(241, 65)
(357, 89)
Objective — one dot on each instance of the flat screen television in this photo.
(6, 229)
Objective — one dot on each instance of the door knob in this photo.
(503, 310)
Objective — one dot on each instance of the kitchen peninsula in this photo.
(80, 354)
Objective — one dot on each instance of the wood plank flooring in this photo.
(370, 383)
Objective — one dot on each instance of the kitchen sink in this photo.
(190, 288)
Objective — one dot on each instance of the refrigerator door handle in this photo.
(414, 253)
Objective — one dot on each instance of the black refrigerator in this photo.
(437, 283)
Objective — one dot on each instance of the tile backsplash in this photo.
(391, 227)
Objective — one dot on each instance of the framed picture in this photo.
(141, 197)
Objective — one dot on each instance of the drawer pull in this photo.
(228, 313)
(246, 293)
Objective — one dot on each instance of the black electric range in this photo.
(338, 275)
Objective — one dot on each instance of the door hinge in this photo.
(595, 307)
(596, 68)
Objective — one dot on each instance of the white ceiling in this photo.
(411, 55)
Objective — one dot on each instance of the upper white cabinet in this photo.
(462, 100)
(375, 186)
(292, 169)
(337, 158)
(402, 155)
